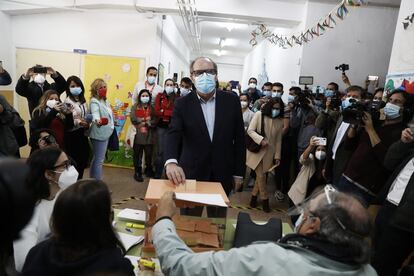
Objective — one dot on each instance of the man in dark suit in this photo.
(206, 140)
(394, 231)
(337, 155)
(33, 90)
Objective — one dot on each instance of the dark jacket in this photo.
(8, 142)
(254, 96)
(5, 78)
(45, 259)
(33, 92)
(397, 157)
(201, 158)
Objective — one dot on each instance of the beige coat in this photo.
(297, 192)
(273, 132)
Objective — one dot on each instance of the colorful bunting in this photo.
(340, 11)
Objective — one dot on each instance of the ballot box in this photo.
(199, 233)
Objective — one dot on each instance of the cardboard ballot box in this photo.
(200, 234)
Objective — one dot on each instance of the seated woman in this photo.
(50, 171)
(83, 240)
(310, 177)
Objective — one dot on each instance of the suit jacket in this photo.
(33, 92)
(335, 168)
(397, 157)
(188, 141)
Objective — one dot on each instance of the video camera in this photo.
(355, 113)
(343, 67)
(302, 99)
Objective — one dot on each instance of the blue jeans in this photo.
(99, 150)
(346, 186)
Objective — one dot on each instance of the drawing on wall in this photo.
(402, 81)
(263, 76)
(161, 74)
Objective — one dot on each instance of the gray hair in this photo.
(194, 61)
(345, 222)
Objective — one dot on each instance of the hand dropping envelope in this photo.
(206, 199)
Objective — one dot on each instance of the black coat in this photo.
(45, 259)
(33, 92)
(397, 157)
(202, 159)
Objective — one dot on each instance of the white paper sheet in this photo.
(208, 199)
(132, 215)
(129, 240)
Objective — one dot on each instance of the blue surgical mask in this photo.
(169, 90)
(276, 94)
(75, 91)
(275, 113)
(290, 98)
(184, 91)
(329, 93)
(144, 99)
(151, 79)
(346, 103)
(267, 93)
(392, 111)
(205, 83)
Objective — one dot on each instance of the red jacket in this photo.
(164, 107)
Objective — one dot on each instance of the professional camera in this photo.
(302, 99)
(343, 67)
(355, 113)
(49, 139)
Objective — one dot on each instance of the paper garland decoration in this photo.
(283, 41)
(408, 21)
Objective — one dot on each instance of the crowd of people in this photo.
(332, 153)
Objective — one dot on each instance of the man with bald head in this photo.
(330, 239)
(205, 140)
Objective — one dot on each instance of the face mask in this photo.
(290, 98)
(39, 79)
(205, 83)
(175, 90)
(346, 103)
(68, 177)
(75, 91)
(169, 90)
(298, 223)
(329, 93)
(151, 80)
(102, 92)
(144, 99)
(184, 91)
(267, 93)
(51, 103)
(276, 94)
(320, 155)
(275, 113)
(392, 111)
(244, 104)
(252, 85)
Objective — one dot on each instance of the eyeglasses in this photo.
(208, 71)
(65, 164)
(49, 139)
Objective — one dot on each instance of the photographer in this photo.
(303, 116)
(365, 174)
(328, 117)
(337, 155)
(5, 78)
(34, 90)
(54, 115)
(266, 96)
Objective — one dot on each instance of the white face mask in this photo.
(68, 177)
(169, 90)
(244, 104)
(39, 79)
(252, 85)
(184, 91)
(320, 155)
(51, 103)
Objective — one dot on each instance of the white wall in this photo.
(402, 56)
(171, 49)
(6, 49)
(363, 40)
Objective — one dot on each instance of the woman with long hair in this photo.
(83, 241)
(51, 113)
(101, 128)
(76, 143)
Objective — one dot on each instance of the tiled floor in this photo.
(123, 186)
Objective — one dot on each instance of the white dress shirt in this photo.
(400, 183)
(339, 136)
(154, 89)
(209, 112)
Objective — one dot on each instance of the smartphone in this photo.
(372, 78)
(68, 105)
(321, 141)
(40, 70)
